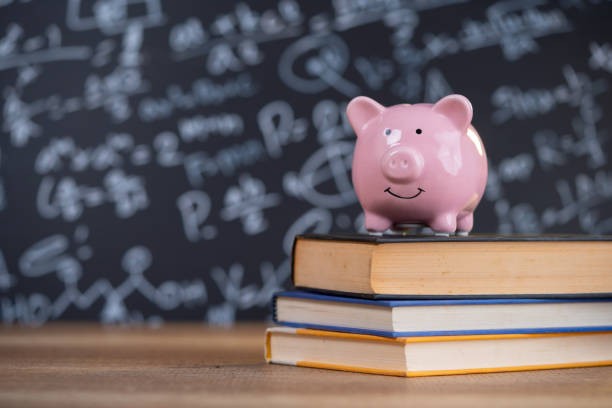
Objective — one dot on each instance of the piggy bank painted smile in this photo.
(417, 164)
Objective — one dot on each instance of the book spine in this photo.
(268, 348)
(273, 305)
(486, 370)
(482, 370)
(293, 249)
(339, 367)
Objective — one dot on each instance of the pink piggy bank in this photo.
(417, 164)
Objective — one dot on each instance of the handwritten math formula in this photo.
(157, 158)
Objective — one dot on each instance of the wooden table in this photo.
(191, 365)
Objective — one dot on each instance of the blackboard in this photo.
(157, 158)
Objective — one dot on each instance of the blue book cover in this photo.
(440, 317)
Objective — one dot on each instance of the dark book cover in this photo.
(404, 239)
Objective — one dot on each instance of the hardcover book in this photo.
(399, 318)
(474, 266)
(438, 355)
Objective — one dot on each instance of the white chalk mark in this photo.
(113, 16)
(233, 40)
(75, 53)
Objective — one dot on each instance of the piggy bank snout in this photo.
(402, 164)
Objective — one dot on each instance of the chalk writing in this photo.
(231, 42)
(327, 166)
(601, 57)
(7, 280)
(514, 25)
(200, 165)
(194, 207)
(315, 63)
(201, 127)
(247, 202)
(279, 127)
(113, 16)
(67, 199)
(158, 158)
(17, 50)
(515, 103)
(2, 192)
(202, 92)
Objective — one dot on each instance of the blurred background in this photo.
(158, 157)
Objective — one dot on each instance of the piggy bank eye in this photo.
(392, 135)
(419, 131)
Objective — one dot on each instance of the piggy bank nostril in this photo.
(404, 163)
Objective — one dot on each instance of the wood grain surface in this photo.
(190, 365)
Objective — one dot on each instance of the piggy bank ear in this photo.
(360, 110)
(457, 108)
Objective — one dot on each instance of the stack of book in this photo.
(418, 306)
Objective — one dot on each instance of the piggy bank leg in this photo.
(444, 224)
(376, 223)
(465, 222)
